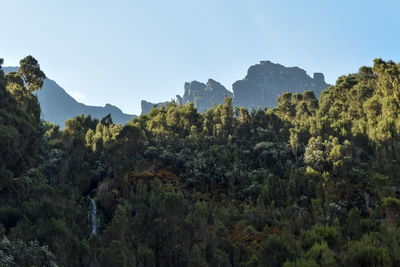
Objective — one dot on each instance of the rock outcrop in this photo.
(148, 106)
(260, 88)
(202, 95)
(264, 82)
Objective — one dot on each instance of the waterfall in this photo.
(93, 217)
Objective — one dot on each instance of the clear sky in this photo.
(121, 52)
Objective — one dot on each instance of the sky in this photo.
(123, 51)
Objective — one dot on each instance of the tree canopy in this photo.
(311, 182)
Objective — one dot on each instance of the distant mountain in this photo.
(57, 105)
(148, 106)
(263, 83)
(202, 95)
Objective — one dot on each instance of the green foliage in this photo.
(18, 253)
(319, 233)
(308, 183)
(322, 254)
(274, 252)
(31, 74)
(301, 263)
(367, 252)
(19, 126)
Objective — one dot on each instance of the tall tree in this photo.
(31, 73)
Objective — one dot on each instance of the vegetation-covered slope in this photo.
(308, 183)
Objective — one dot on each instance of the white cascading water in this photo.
(93, 216)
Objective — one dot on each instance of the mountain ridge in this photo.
(58, 106)
(263, 83)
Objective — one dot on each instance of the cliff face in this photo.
(264, 82)
(203, 95)
(260, 88)
(148, 106)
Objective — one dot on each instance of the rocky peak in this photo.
(213, 85)
(148, 106)
(319, 77)
(203, 95)
(265, 81)
(192, 90)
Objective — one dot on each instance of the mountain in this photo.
(57, 105)
(148, 106)
(261, 86)
(264, 82)
(203, 95)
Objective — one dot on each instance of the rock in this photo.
(148, 106)
(264, 82)
(202, 95)
(260, 88)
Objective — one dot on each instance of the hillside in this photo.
(57, 105)
(310, 182)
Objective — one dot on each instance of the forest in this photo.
(311, 182)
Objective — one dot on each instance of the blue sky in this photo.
(123, 51)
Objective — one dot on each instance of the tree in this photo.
(322, 254)
(392, 207)
(315, 154)
(318, 234)
(18, 253)
(274, 252)
(285, 106)
(19, 126)
(31, 74)
(365, 253)
(2, 81)
(107, 120)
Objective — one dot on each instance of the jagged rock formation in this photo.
(148, 106)
(57, 105)
(260, 88)
(202, 95)
(264, 82)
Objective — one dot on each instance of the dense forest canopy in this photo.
(311, 182)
